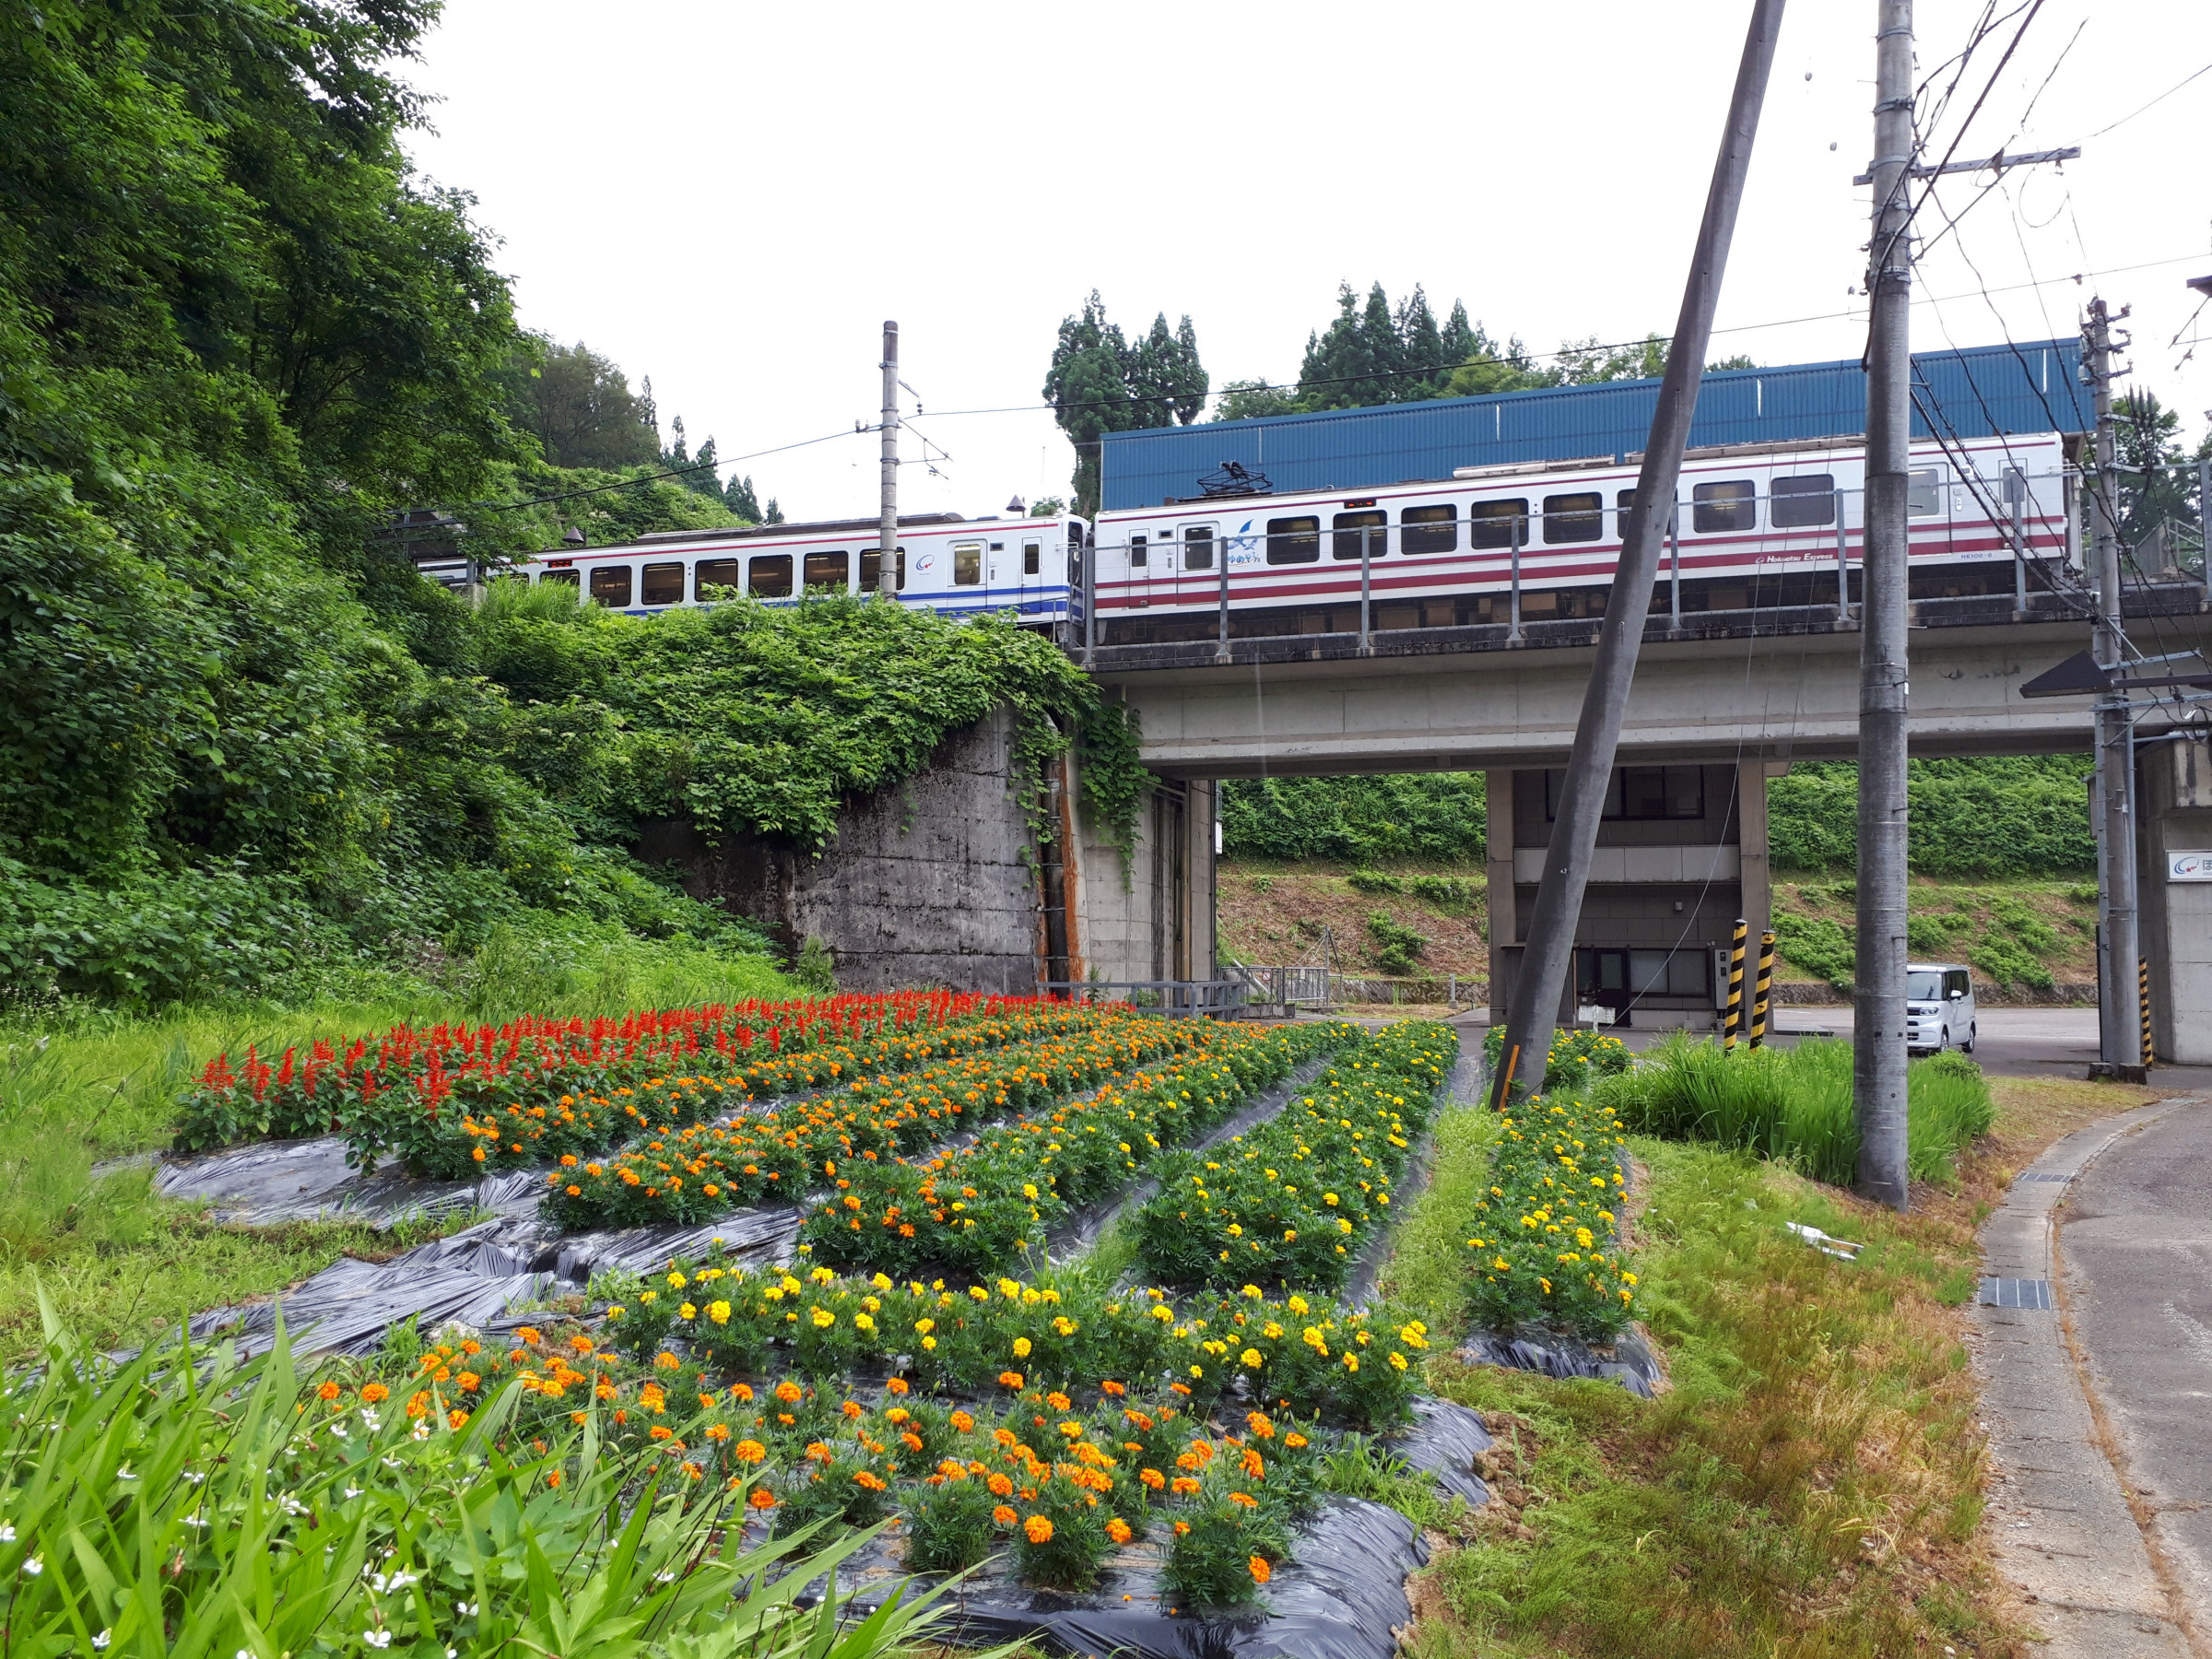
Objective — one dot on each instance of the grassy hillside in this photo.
(1412, 919)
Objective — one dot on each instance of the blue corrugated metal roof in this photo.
(1975, 393)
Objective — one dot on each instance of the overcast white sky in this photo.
(732, 199)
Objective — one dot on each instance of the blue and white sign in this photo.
(2189, 866)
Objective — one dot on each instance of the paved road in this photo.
(2135, 1253)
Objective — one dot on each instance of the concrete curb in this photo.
(2060, 1524)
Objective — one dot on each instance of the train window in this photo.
(1733, 505)
(1198, 547)
(771, 575)
(828, 568)
(1344, 544)
(1428, 529)
(1293, 540)
(565, 578)
(871, 570)
(1140, 552)
(610, 585)
(967, 563)
(1624, 503)
(1807, 499)
(715, 573)
(663, 585)
(1031, 558)
(1575, 518)
(1496, 523)
(1923, 493)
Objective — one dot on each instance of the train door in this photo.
(1197, 563)
(1137, 592)
(1029, 574)
(1928, 509)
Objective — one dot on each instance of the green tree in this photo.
(1099, 383)
(578, 406)
(1247, 399)
(2156, 487)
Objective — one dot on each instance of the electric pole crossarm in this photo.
(1546, 959)
(2000, 162)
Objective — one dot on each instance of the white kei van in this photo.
(1939, 1007)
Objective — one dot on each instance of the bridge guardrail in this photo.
(1162, 997)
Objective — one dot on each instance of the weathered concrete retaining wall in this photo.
(928, 883)
(933, 882)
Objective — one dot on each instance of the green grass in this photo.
(81, 1085)
(1809, 1486)
(1426, 1271)
(1795, 1105)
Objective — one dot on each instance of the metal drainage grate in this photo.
(2058, 1178)
(2016, 1293)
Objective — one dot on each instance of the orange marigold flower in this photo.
(375, 1394)
(420, 1404)
(528, 1337)
(469, 1379)
(749, 1450)
(851, 1409)
(1245, 1498)
(789, 1392)
(1113, 1388)
(662, 1431)
(1259, 1569)
(455, 1418)
(762, 1499)
(1058, 1401)
(1185, 1486)
(738, 1391)
(897, 1385)
(1009, 1379)
(1000, 1485)
(1182, 1529)
(1118, 1530)
(1003, 1516)
(329, 1391)
(1038, 1530)
(666, 1361)
(718, 1431)
(1152, 1477)
(961, 1422)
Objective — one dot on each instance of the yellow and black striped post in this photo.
(1734, 1022)
(1760, 988)
(2143, 1006)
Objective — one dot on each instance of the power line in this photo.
(673, 472)
(2160, 98)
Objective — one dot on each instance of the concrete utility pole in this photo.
(2116, 1038)
(1878, 1015)
(1550, 948)
(887, 536)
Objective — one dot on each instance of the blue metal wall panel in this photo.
(1973, 394)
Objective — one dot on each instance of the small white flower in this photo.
(422, 1432)
(663, 1578)
(465, 1609)
(124, 1473)
(339, 1430)
(195, 1521)
(34, 1566)
(370, 1418)
(293, 1506)
(353, 1491)
(100, 1640)
(376, 1638)
(393, 1463)
(245, 1653)
(7, 1533)
(194, 1478)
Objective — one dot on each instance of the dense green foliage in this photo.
(1099, 382)
(246, 747)
(2006, 816)
(1794, 1105)
(1402, 815)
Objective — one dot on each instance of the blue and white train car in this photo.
(957, 566)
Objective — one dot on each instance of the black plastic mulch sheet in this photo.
(270, 1182)
(1341, 1594)
(1444, 1441)
(1628, 1361)
(471, 1278)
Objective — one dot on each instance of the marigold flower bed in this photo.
(327, 1087)
(1291, 1202)
(1543, 1241)
(971, 1210)
(694, 1173)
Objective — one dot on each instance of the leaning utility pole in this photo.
(2117, 1042)
(886, 534)
(1549, 952)
(1878, 1012)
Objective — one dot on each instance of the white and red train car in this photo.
(1756, 525)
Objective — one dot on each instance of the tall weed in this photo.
(1793, 1106)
